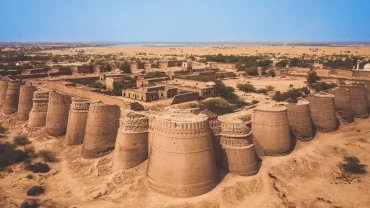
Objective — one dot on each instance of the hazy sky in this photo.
(185, 20)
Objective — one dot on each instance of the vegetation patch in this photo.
(29, 203)
(47, 156)
(35, 191)
(9, 155)
(39, 168)
(21, 141)
(218, 105)
(353, 165)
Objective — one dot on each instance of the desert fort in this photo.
(184, 125)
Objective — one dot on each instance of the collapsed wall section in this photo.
(101, 130)
(37, 115)
(57, 114)
(12, 97)
(131, 147)
(77, 119)
(271, 134)
(322, 108)
(25, 101)
(181, 162)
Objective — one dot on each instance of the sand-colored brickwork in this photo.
(37, 116)
(299, 118)
(238, 155)
(3, 89)
(57, 114)
(101, 130)
(131, 147)
(181, 162)
(12, 97)
(271, 134)
(359, 100)
(25, 101)
(343, 104)
(322, 108)
(77, 121)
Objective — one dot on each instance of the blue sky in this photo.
(185, 20)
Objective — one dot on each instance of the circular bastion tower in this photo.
(101, 130)
(3, 89)
(37, 115)
(25, 101)
(359, 100)
(181, 162)
(342, 100)
(238, 155)
(131, 147)
(57, 114)
(77, 121)
(299, 118)
(271, 134)
(12, 97)
(322, 108)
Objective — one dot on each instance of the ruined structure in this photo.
(271, 130)
(101, 130)
(359, 101)
(342, 98)
(37, 116)
(25, 101)
(322, 108)
(12, 97)
(299, 119)
(3, 89)
(181, 162)
(238, 155)
(57, 115)
(77, 121)
(131, 147)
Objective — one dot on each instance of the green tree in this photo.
(312, 77)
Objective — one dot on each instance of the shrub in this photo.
(291, 94)
(312, 77)
(21, 141)
(321, 86)
(29, 176)
(2, 129)
(47, 156)
(30, 203)
(38, 168)
(218, 105)
(246, 87)
(228, 94)
(9, 155)
(35, 191)
(272, 73)
(269, 88)
(353, 165)
(96, 85)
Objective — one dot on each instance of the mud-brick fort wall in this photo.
(131, 147)
(299, 118)
(3, 89)
(57, 114)
(77, 121)
(37, 115)
(271, 130)
(182, 144)
(215, 126)
(322, 108)
(25, 101)
(12, 97)
(359, 101)
(101, 130)
(238, 155)
(342, 99)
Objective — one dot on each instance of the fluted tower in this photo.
(271, 130)
(77, 121)
(57, 115)
(101, 130)
(3, 89)
(12, 97)
(132, 140)
(322, 108)
(238, 155)
(37, 116)
(359, 100)
(25, 101)
(342, 99)
(299, 118)
(181, 162)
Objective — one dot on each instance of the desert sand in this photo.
(308, 177)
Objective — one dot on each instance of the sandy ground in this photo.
(209, 49)
(308, 177)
